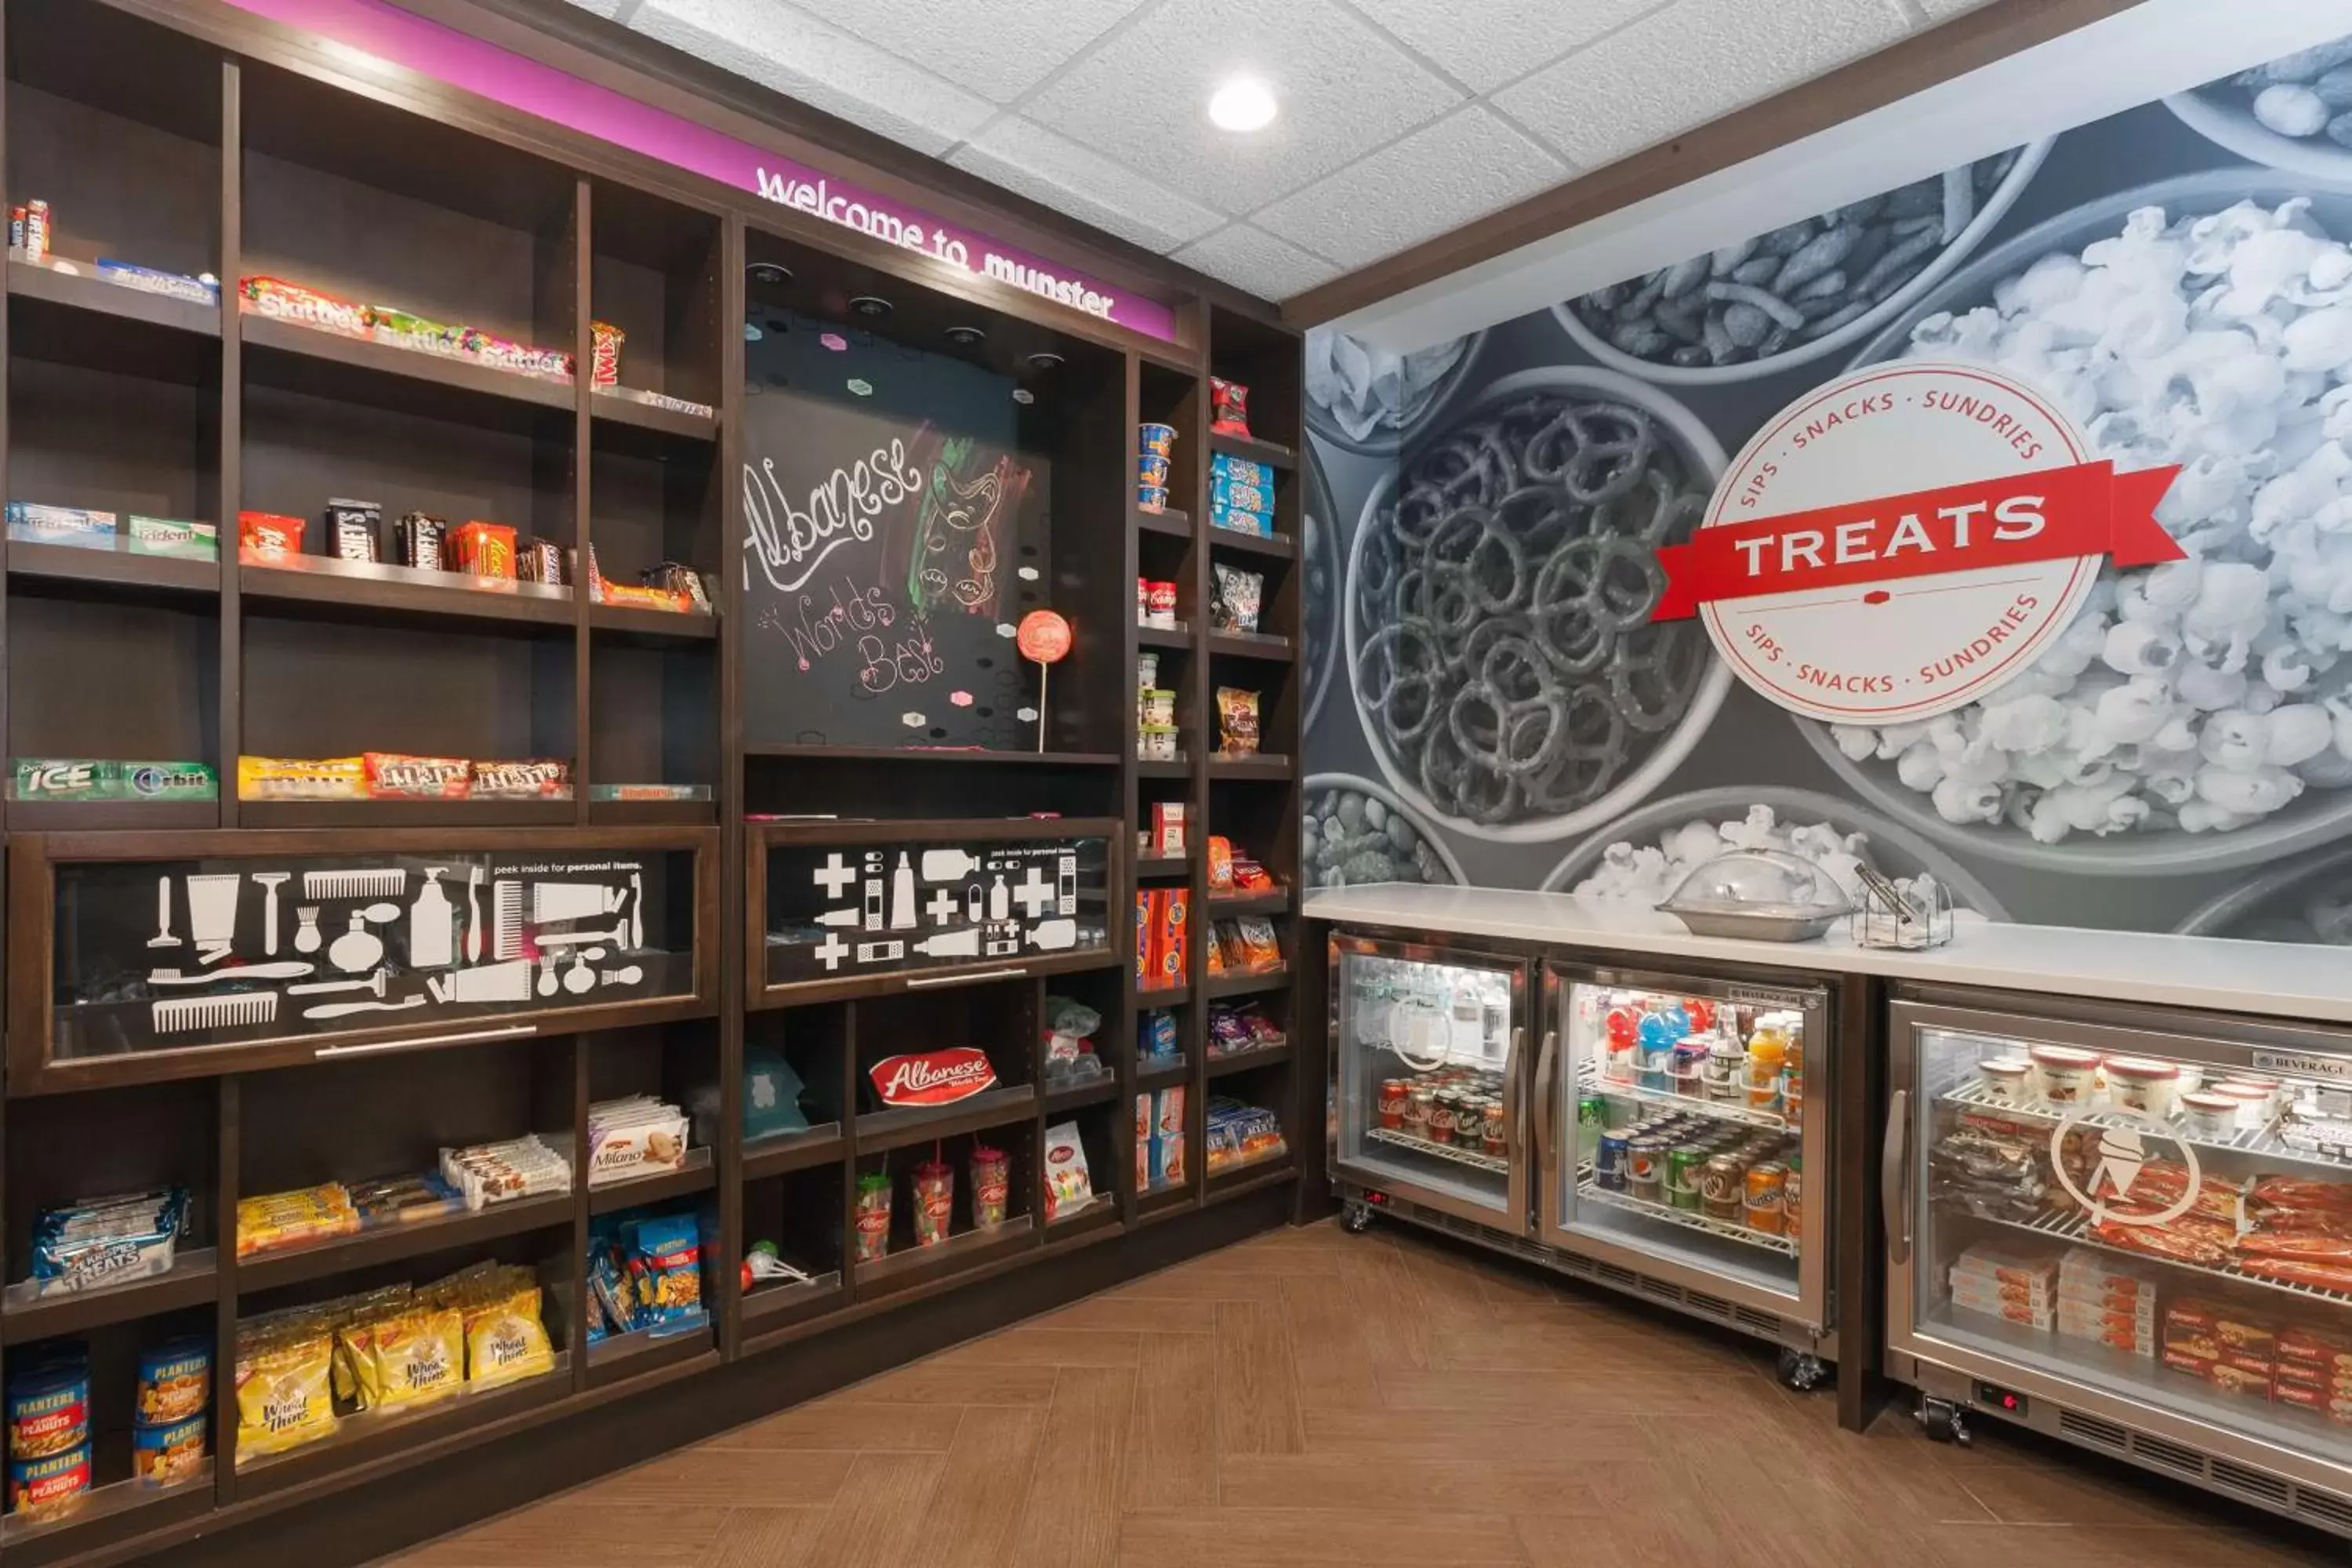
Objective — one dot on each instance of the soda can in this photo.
(1609, 1165)
(1645, 1169)
(1765, 1197)
(1683, 1165)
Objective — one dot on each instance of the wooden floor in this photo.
(1312, 1397)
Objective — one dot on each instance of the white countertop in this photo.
(2279, 980)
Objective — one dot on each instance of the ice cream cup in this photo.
(2066, 1076)
(2149, 1088)
(2008, 1080)
(2209, 1115)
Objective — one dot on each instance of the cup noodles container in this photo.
(2008, 1080)
(2065, 1075)
(2149, 1088)
(2209, 1115)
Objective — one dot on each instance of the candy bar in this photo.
(605, 341)
(38, 524)
(523, 779)
(284, 301)
(354, 530)
(268, 536)
(398, 329)
(539, 561)
(420, 540)
(36, 231)
(301, 778)
(106, 1241)
(483, 549)
(486, 1174)
(505, 354)
(202, 289)
(395, 775)
(171, 537)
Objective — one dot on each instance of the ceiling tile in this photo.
(784, 47)
(1465, 166)
(1252, 259)
(1485, 43)
(1141, 98)
(1944, 10)
(1688, 64)
(999, 51)
(1025, 157)
(604, 8)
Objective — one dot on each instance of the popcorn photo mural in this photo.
(1494, 707)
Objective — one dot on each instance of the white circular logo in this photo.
(1901, 541)
(2118, 1163)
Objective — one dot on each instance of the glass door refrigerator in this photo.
(1428, 1086)
(2131, 1229)
(1684, 1147)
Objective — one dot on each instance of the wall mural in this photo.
(884, 506)
(1591, 593)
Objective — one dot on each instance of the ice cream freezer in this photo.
(2131, 1229)
(1646, 1130)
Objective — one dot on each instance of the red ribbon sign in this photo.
(2085, 509)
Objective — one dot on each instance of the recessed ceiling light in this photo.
(1242, 104)
(1023, 396)
(1044, 359)
(965, 337)
(768, 272)
(870, 305)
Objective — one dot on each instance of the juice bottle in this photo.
(1793, 1072)
(1768, 1051)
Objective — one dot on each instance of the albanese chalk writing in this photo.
(791, 541)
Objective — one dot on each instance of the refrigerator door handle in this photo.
(1895, 1177)
(1544, 1110)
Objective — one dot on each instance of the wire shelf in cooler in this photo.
(1590, 1081)
(2075, 1230)
(2264, 1140)
(1588, 1190)
(1477, 1159)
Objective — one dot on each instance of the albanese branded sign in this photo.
(932, 1077)
(1900, 542)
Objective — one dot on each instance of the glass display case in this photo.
(1427, 1058)
(248, 949)
(837, 905)
(1677, 1139)
(2137, 1217)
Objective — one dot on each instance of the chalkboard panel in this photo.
(896, 530)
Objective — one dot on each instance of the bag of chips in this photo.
(1237, 727)
(1259, 952)
(1239, 596)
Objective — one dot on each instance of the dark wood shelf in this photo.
(1273, 903)
(973, 1249)
(789, 1151)
(1098, 1221)
(652, 812)
(699, 1175)
(1245, 644)
(73, 570)
(1281, 544)
(1246, 1061)
(98, 816)
(384, 600)
(413, 380)
(113, 1513)
(1164, 1202)
(1156, 866)
(636, 622)
(618, 1357)
(1163, 995)
(374, 1436)
(406, 814)
(386, 1244)
(193, 1281)
(1178, 637)
(1268, 1173)
(614, 409)
(1257, 767)
(773, 1308)
(1078, 1096)
(1179, 768)
(1175, 524)
(1272, 454)
(87, 292)
(1149, 1074)
(880, 1130)
(938, 754)
(1221, 985)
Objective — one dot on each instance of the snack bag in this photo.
(1221, 864)
(1228, 407)
(666, 1266)
(1069, 1187)
(1237, 729)
(1260, 953)
(420, 1356)
(505, 1339)
(285, 1394)
(1239, 596)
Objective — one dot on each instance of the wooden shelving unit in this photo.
(216, 145)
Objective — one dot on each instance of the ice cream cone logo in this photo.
(2117, 1159)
